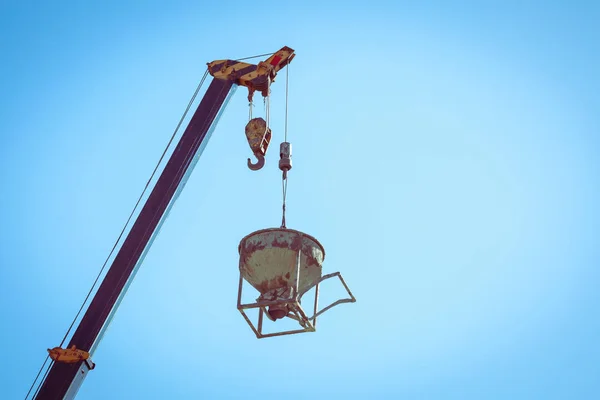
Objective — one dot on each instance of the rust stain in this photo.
(267, 259)
(249, 248)
(296, 243)
(280, 244)
(274, 283)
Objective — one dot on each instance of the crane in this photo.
(70, 365)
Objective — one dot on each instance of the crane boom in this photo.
(64, 378)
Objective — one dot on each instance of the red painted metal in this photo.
(275, 60)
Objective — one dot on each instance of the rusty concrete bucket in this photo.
(283, 264)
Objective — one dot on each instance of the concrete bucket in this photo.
(282, 265)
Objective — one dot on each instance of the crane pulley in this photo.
(256, 78)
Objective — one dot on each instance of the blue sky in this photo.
(445, 156)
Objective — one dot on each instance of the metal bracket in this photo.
(69, 356)
(296, 311)
(85, 367)
(351, 299)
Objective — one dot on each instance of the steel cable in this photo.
(119, 238)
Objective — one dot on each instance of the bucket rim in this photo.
(282, 230)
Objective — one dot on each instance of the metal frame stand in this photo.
(296, 312)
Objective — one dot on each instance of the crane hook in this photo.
(259, 164)
(259, 137)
